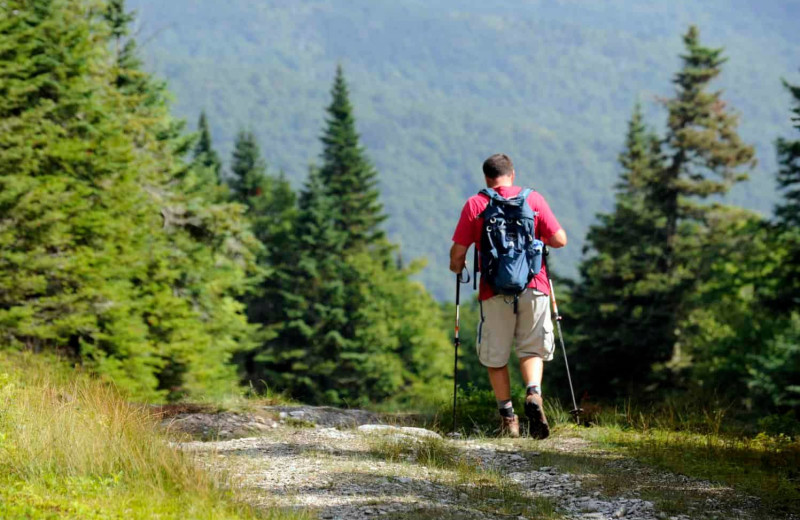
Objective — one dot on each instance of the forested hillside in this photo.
(438, 87)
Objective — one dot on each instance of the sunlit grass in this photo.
(72, 447)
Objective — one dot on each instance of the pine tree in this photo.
(271, 210)
(620, 318)
(787, 292)
(204, 154)
(652, 249)
(788, 212)
(707, 150)
(347, 174)
(304, 357)
(107, 256)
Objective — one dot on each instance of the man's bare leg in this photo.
(531, 368)
(501, 384)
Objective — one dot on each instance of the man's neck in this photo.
(504, 184)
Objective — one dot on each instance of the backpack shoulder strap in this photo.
(493, 195)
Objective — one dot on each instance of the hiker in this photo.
(504, 319)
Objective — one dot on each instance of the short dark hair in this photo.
(498, 165)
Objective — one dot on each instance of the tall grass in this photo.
(73, 444)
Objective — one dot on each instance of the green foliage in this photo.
(788, 211)
(204, 154)
(774, 373)
(109, 251)
(651, 252)
(349, 326)
(620, 300)
(347, 175)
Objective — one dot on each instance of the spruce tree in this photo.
(248, 169)
(707, 157)
(108, 257)
(788, 212)
(72, 211)
(620, 316)
(654, 249)
(347, 174)
(209, 254)
(271, 210)
(706, 150)
(787, 292)
(304, 357)
(204, 154)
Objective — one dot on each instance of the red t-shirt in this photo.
(468, 230)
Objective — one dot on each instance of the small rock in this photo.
(403, 430)
(619, 513)
(404, 480)
(297, 414)
(591, 506)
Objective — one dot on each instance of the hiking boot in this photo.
(509, 426)
(537, 422)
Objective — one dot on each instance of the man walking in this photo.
(505, 320)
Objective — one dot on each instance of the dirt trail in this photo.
(345, 473)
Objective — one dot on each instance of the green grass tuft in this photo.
(72, 447)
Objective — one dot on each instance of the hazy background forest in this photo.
(439, 87)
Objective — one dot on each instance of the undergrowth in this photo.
(704, 439)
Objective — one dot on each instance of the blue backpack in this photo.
(510, 253)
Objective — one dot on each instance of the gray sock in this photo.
(506, 407)
(533, 389)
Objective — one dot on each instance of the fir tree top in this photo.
(247, 167)
(204, 151)
(640, 159)
(701, 132)
(347, 175)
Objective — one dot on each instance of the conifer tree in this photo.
(707, 152)
(69, 201)
(248, 168)
(304, 357)
(619, 312)
(787, 293)
(204, 153)
(652, 287)
(209, 252)
(271, 210)
(347, 174)
(707, 157)
(108, 258)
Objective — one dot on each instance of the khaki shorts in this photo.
(531, 327)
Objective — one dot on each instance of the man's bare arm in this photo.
(559, 239)
(458, 257)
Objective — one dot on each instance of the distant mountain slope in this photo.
(438, 86)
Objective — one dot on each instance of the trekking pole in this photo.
(575, 412)
(456, 341)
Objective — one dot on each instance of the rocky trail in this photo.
(341, 464)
